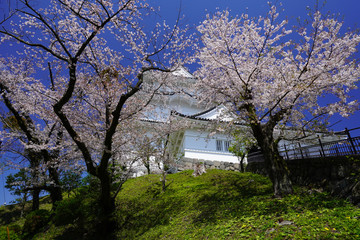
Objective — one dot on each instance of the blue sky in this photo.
(194, 12)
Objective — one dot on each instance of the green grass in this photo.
(229, 205)
(223, 205)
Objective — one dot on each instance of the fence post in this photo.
(337, 150)
(287, 156)
(302, 155)
(322, 148)
(351, 141)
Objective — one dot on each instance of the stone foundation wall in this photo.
(338, 175)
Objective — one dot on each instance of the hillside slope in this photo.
(230, 205)
(218, 205)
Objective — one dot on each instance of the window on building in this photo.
(219, 145)
(226, 145)
(222, 146)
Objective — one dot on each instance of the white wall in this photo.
(209, 155)
(199, 145)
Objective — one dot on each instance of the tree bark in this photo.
(242, 167)
(275, 164)
(147, 165)
(107, 224)
(34, 164)
(277, 170)
(35, 199)
(55, 195)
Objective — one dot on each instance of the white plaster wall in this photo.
(201, 140)
(210, 155)
(198, 145)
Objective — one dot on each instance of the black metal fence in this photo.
(347, 146)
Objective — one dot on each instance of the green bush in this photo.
(79, 212)
(68, 211)
(15, 228)
(35, 221)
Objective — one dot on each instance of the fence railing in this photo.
(343, 147)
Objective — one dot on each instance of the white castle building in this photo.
(199, 141)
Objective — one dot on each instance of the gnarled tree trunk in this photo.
(277, 170)
(275, 164)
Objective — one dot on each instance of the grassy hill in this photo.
(217, 205)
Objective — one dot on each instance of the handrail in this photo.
(343, 147)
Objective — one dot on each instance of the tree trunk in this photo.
(107, 224)
(147, 165)
(275, 164)
(278, 171)
(55, 195)
(23, 203)
(163, 180)
(55, 190)
(242, 167)
(35, 199)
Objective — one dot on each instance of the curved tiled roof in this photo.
(198, 116)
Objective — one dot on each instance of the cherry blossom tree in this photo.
(96, 54)
(273, 77)
(29, 131)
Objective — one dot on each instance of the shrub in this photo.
(67, 211)
(79, 212)
(35, 221)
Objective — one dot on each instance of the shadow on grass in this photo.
(233, 196)
(198, 200)
(249, 195)
(10, 213)
(71, 233)
(153, 209)
(207, 199)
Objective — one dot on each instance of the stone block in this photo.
(209, 163)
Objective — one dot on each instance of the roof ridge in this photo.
(203, 112)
